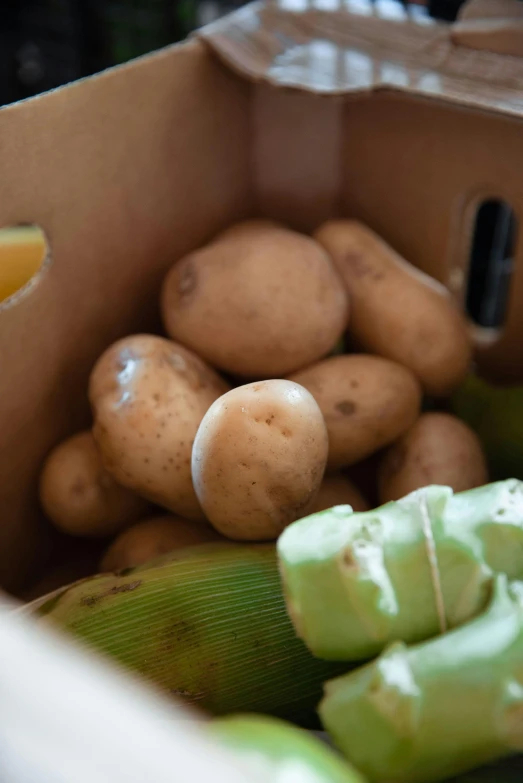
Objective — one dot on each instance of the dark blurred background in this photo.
(47, 43)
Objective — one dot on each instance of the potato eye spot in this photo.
(345, 407)
(188, 280)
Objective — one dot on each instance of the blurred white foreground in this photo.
(66, 717)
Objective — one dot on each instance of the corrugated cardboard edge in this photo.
(339, 52)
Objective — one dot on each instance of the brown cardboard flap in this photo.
(503, 36)
(356, 48)
(125, 173)
(491, 9)
(492, 25)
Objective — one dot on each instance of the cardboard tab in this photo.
(491, 25)
(491, 9)
(502, 36)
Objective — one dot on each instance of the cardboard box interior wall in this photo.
(298, 115)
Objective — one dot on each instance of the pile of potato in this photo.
(247, 416)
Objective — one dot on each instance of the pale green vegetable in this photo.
(408, 570)
(286, 753)
(428, 712)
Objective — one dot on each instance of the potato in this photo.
(260, 301)
(80, 497)
(153, 537)
(148, 397)
(258, 459)
(336, 490)
(439, 449)
(367, 402)
(396, 310)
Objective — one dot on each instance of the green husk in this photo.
(208, 625)
(438, 709)
(355, 582)
(287, 753)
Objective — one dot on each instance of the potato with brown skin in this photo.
(78, 494)
(439, 449)
(258, 459)
(337, 490)
(153, 537)
(260, 301)
(396, 310)
(367, 402)
(148, 397)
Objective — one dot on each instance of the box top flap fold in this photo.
(357, 47)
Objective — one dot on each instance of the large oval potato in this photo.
(258, 459)
(367, 402)
(260, 301)
(396, 310)
(337, 490)
(148, 397)
(439, 449)
(152, 538)
(80, 497)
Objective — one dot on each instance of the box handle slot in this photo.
(24, 252)
(491, 259)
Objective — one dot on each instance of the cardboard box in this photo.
(283, 109)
